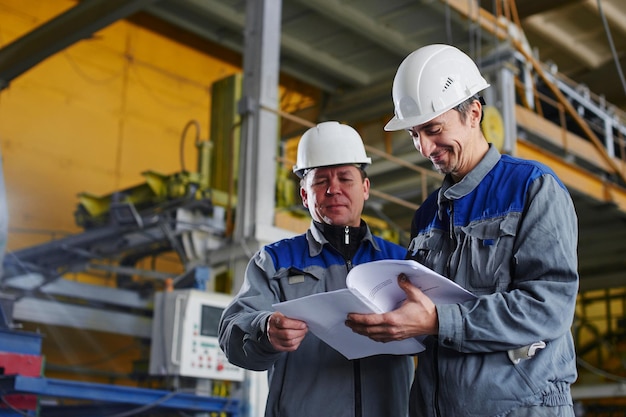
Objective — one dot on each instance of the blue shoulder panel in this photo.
(502, 191)
(294, 253)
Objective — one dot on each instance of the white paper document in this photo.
(372, 288)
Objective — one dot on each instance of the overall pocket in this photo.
(489, 246)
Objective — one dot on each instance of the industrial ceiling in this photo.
(351, 48)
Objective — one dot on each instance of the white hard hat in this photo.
(431, 81)
(330, 143)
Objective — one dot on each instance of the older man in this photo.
(307, 378)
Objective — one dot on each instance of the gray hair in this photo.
(464, 106)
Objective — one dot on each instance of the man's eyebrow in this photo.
(430, 124)
(320, 175)
(341, 172)
(345, 171)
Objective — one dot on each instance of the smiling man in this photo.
(307, 378)
(502, 227)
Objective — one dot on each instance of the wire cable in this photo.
(607, 30)
(584, 364)
(82, 74)
(160, 400)
(448, 24)
(190, 123)
(13, 408)
(148, 406)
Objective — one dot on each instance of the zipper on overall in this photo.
(453, 242)
(453, 246)
(358, 406)
(346, 241)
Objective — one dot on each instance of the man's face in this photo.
(447, 141)
(335, 195)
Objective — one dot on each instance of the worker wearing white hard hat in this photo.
(336, 190)
(308, 378)
(503, 228)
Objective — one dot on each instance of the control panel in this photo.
(184, 336)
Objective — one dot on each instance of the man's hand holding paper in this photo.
(396, 325)
(285, 334)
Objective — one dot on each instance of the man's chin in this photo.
(442, 169)
(438, 169)
(335, 220)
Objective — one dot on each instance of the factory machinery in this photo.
(176, 310)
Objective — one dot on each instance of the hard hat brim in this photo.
(396, 123)
(299, 171)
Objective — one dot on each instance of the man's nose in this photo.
(425, 146)
(333, 187)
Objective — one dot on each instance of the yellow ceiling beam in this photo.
(574, 177)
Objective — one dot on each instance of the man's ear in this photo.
(476, 113)
(366, 188)
(303, 195)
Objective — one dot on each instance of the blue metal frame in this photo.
(143, 397)
(20, 342)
